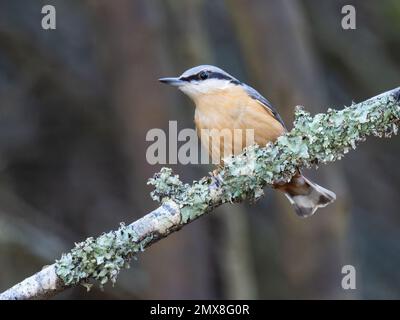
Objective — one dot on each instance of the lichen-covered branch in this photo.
(314, 140)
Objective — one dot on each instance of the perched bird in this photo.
(224, 103)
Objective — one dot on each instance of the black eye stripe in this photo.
(222, 76)
(190, 78)
(211, 75)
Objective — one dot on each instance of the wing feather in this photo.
(268, 105)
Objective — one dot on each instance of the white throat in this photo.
(196, 89)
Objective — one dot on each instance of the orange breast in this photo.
(229, 120)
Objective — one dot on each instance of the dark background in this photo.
(76, 104)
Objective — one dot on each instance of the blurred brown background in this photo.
(76, 104)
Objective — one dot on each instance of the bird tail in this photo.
(306, 196)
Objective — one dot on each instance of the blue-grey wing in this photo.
(257, 96)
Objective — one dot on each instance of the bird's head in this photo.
(202, 80)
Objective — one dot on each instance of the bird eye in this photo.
(203, 75)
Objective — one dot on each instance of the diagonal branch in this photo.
(314, 140)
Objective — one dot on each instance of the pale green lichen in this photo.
(101, 258)
(192, 199)
(167, 186)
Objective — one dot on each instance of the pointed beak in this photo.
(176, 82)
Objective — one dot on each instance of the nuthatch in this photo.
(223, 102)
